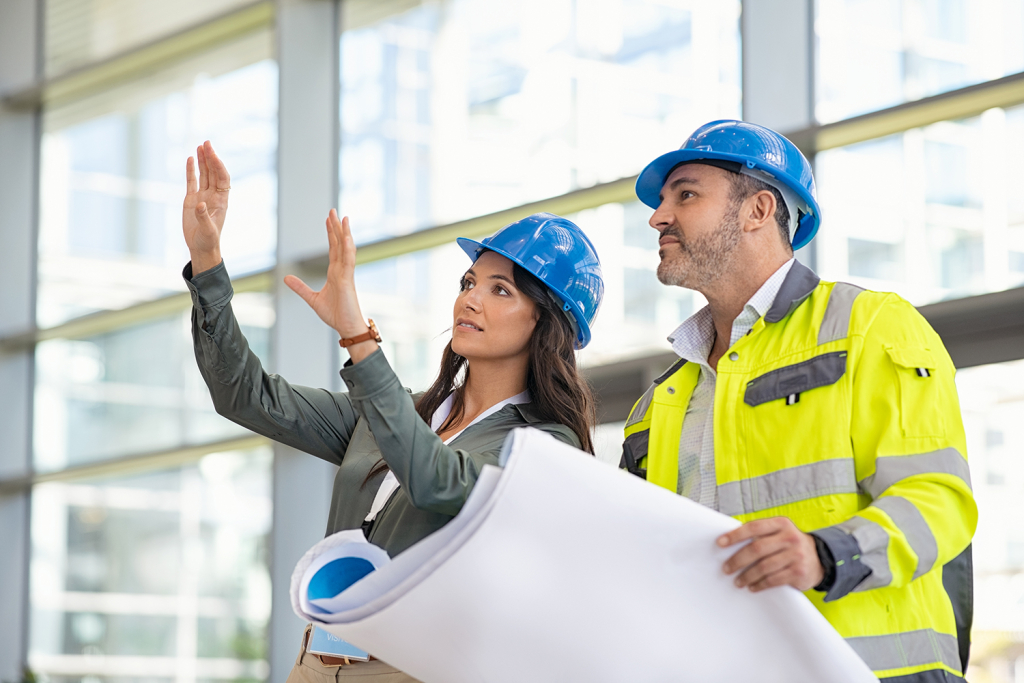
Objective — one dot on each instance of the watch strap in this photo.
(371, 333)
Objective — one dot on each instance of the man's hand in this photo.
(778, 554)
(206, 204)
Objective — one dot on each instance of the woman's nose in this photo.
(472, 300)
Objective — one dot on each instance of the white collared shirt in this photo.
(390, 483)
(693, 341)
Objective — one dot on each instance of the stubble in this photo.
(696, 264)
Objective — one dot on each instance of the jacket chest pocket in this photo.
(798, 413)
(919, 391)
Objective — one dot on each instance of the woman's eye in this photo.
(465, 284)
(498, 289)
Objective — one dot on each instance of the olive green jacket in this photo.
(375, 419)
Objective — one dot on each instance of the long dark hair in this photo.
(558, 393)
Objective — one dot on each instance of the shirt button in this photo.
(734, 356)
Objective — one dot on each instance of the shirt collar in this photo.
(693, 339)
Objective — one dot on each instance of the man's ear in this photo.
(761, 210)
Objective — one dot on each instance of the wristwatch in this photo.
(365, 336)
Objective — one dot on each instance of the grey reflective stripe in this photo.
(640, 409)
(636, 446)
(910, 648)
(891, 469)
(874, 550)
(820, 371)
(836, 322)
(787, 486)
(910, 521)
(676, 367)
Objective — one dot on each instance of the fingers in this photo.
(204, 172)
(191, 184)
(756, 550)
(220, 179)
(759, 527)
(778, 554)
(332, 234)
(300, 288)
(765, 567)
(343, 247)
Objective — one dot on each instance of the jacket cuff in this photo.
(209, 288)
(844, 552)
(369, 377)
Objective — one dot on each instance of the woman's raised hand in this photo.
(206, 204)
(337, 303)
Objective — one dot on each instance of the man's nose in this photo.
(662, 217)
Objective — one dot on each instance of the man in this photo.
(822, 416)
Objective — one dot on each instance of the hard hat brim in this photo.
(473, 249)
(652, 179)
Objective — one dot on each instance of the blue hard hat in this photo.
(759, 152)
(557, 252)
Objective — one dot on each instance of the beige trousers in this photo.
(309, 669)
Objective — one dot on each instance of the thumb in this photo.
(300, 288)
(203, 216)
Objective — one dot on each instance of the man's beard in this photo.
(702, 261)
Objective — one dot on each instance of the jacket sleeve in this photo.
(436, 477)
(911, 459)
(316, 421)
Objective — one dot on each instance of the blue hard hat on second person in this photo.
(752, 150)
(556, 251)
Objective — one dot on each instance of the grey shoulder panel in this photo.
(835, 324)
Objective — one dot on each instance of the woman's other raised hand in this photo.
(336, 303)
(206, 204)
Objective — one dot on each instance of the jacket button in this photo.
(671, 390)
(734, 356)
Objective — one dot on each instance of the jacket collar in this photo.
(799, 283)
(526, 412)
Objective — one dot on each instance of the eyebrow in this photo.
(683, 180)
(502, 277)
(492, 277)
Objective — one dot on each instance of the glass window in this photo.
(78, 33)
(411, 297)
(874, 54)
(134, 390)
(930, 213)
(457, 109)
(112, 180)
(992, 405)
(161, 576)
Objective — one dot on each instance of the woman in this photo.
(406, 463)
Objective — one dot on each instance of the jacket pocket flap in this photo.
(817, 372)
(912, 357)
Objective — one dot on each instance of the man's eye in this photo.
(685, 194)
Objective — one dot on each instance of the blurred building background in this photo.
(145, 539)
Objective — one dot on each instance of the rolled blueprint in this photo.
(560, 568)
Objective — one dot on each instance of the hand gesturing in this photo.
(206, 204)
(336, 303)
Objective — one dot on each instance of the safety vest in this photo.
(839, 410)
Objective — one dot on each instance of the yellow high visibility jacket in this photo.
(839, 411)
